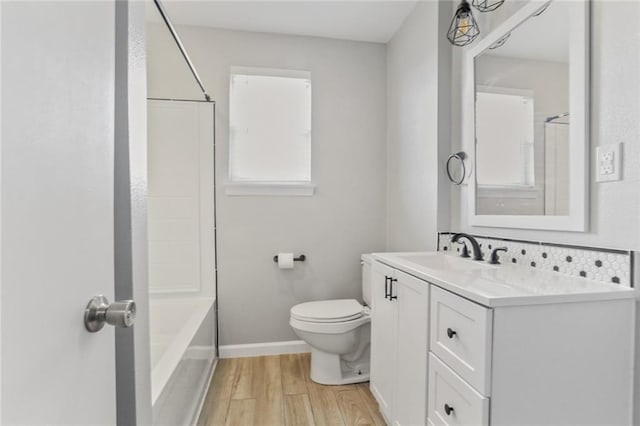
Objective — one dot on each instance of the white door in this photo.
(57, 222)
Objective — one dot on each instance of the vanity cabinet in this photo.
(399, 345)
(503, 348)
(545, 364)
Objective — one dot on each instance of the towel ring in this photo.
(460, 156)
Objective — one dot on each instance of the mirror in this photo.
(527, 82)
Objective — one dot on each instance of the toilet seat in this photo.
(329, 327)
(334, 327)
(328, 311)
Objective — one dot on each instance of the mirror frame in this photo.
(579, 70)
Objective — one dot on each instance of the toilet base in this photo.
(329, 369)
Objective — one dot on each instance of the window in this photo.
(269, 132)
(504, 129)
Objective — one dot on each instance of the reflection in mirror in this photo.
(522, 119)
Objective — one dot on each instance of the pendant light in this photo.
(464, 28)
(487, 5)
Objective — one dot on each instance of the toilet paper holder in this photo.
(300, 258)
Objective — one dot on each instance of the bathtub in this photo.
(179, 333)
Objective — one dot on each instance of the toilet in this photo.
(339, 333)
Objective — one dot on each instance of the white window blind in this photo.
(270, 126)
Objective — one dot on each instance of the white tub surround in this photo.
(174, 324)
(453, 337)
(182, 259)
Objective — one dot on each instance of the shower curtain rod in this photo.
(176, 38)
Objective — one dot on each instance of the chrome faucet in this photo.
(477, 253)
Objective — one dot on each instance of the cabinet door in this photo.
(412, 337)
(382, 338)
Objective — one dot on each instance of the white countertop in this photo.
(501, 285)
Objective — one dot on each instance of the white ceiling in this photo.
(374, 21)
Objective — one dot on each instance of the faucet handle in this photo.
(477, 251)
(494, 260)
(465, 249)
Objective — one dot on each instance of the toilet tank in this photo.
(366, 260)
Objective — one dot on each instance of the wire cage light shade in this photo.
(487, 5)
(464, 28)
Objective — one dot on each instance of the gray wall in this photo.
(346, 216)
(418, 120)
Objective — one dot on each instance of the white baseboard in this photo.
(267, 348)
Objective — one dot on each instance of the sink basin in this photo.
(444, 262)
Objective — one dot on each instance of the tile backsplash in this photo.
(605, 265)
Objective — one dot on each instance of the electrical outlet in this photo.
(608, 162)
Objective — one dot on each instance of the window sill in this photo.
(269, 189)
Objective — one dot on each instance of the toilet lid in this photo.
(328, 310)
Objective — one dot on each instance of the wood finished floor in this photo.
(277, 390)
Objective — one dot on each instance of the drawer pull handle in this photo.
(451, 333)
(386, 287)
(448, 409)
(391, 296)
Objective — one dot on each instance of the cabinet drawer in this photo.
(452, 401)
(461, 337)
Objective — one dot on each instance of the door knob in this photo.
(99, 311)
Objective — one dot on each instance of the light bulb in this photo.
(464, 26)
